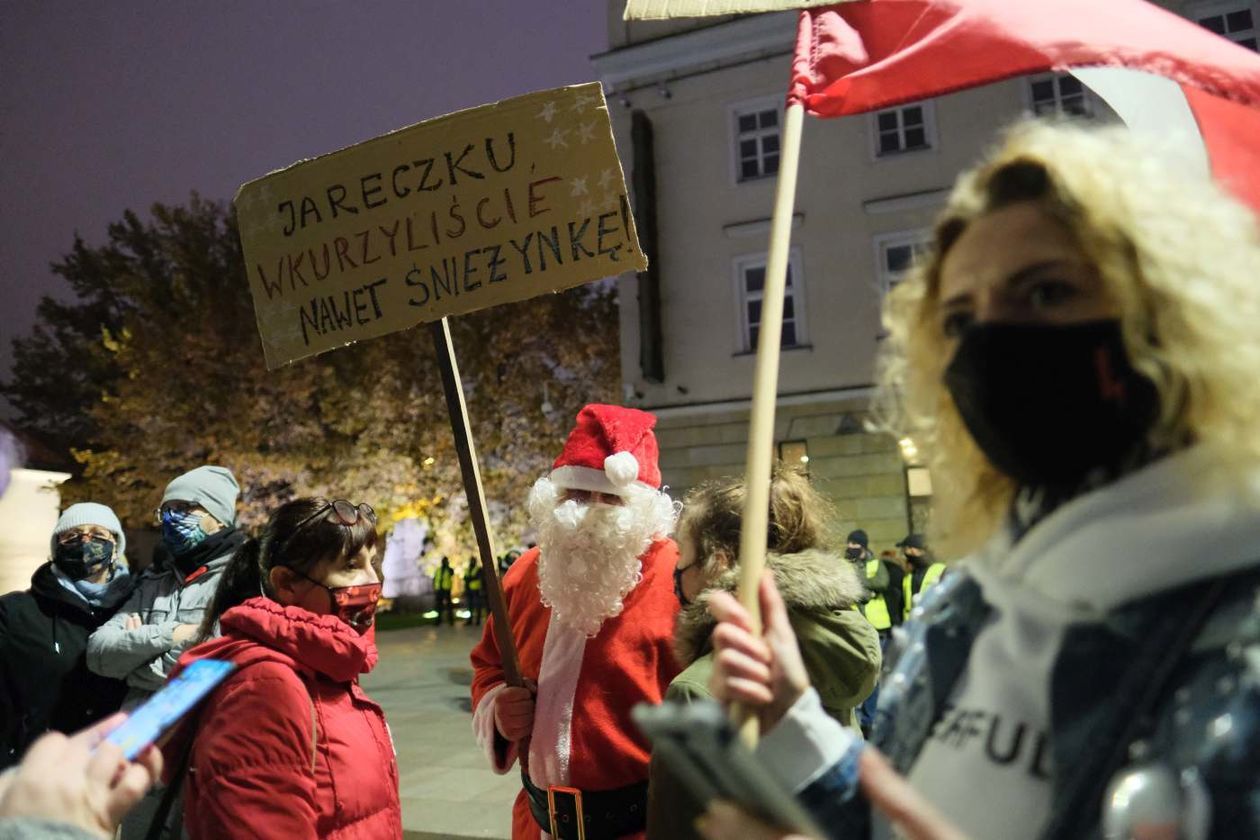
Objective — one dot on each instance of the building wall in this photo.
(845, 199)
(686, 77)
(860, 473)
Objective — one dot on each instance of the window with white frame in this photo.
(1060, 94)
(756, 129)
(905, 129)
(750, 280)
(1235, 21)
(895, 254)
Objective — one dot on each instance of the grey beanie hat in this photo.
(89, 513)
(214, 488)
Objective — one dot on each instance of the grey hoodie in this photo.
(163, 600)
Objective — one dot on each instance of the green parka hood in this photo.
(816, 582)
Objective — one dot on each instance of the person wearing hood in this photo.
(45, 683)
(1077, 357)
(143, 640)
(290, 745)
(925, 571)
(823, 594)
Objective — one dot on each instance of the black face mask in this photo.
(678, 587)
(1049, 404)
(84, 558)
(853, 553)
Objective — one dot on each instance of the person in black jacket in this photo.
(44, 680)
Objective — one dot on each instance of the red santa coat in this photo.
(583, 736)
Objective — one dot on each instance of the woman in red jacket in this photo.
(290, 746)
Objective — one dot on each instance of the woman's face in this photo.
(295, 590)
(1017, 265)
(689, 574)
(349, 571)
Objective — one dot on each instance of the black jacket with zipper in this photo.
(44, 680)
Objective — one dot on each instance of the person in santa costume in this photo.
(592, 610)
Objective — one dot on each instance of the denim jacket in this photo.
(1194, 760)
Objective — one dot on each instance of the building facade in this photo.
(697, 108)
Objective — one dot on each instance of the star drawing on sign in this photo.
(577, 187)
(586, 132)
(584, 101)
(556, 140)
(606, 179)
(548, 113)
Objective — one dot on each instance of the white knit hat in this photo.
(89, 513)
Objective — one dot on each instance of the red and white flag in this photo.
(873, 54)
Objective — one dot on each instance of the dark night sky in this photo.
(112, 105)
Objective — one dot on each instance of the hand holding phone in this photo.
(164, 709)
(701, 749)
(70, 780)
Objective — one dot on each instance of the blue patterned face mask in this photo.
(182, 531)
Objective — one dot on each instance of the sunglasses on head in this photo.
(338, 510)
(342, 512)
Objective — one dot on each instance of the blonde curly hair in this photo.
(1179, 257)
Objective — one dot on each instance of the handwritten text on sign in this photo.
(477, 208)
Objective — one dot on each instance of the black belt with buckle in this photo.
(570, 814)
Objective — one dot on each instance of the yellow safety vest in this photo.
(876, 609)
(931, 576)
(443, 580)
(473, 581)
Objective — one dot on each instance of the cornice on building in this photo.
(736, 42)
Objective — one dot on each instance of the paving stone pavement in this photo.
(446, 786)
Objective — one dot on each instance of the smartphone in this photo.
(163, 710)
(703, 751)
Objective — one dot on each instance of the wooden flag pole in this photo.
(476, 499)
(756, 518)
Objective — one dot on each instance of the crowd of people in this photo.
(1076, 355)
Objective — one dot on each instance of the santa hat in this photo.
(610, 449)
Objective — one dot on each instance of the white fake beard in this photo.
(589, 554)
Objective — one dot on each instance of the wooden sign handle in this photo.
(756, 516)
(458, 409)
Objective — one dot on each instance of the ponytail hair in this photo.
(296, 536)
(241, 580)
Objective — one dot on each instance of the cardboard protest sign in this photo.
(663, 9)
(477, 208)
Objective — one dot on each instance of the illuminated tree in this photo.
(159, 367)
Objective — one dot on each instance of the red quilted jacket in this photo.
(289, 746)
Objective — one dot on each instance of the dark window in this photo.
(1238, 25)
(1063, 94)
(757, 143)
(901, 130)
(1235, 21)
(897, 257)
(754, 277)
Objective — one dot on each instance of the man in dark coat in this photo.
(44, 680)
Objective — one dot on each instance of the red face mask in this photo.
(355, 605)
